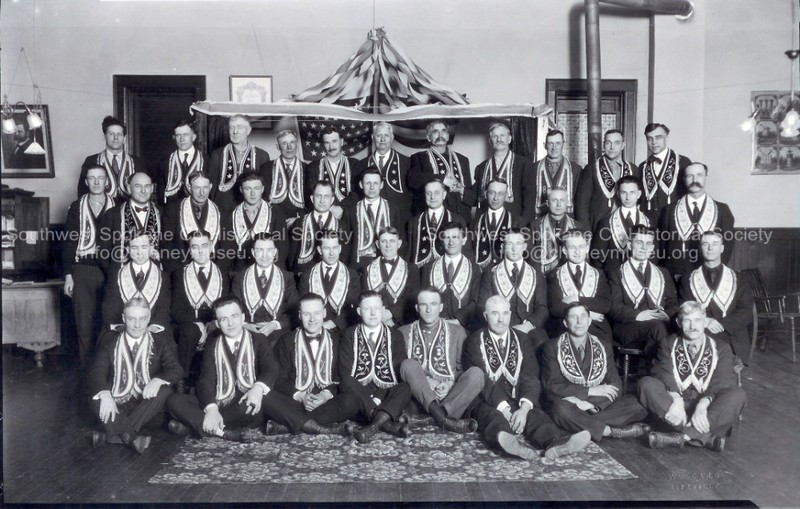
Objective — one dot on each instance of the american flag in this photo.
(356, 135)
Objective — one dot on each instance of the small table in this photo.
(32, 316)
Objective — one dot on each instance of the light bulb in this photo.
(748, 125)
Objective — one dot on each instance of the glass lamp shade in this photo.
(34, 120)
(9, 126)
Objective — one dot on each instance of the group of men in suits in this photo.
(392, 288)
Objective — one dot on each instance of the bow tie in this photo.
(654, 159)
(314, 338)
(139, 209)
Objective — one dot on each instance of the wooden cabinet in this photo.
(32, 316)
(25, 221)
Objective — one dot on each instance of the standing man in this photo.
(555, 170)
(515, 170)
(335, 168)
(118, 163)
(83, 278)
(662, 171)
(686, 220)
(727, 298)
(423, 229)
(439, 384)
(597, 187)
(547, 229)
(172, 181)
(131, 378)
(449, 166)
(231, 161)
(392, 166)
(286, 183)
(367, 218)
(370, 356)
(492, 223)
(692, 388)
(509, 402)
(306, 231)
(393, 278)
(583, 386)
(643, 296)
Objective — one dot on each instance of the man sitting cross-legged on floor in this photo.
(235, 386)
(131, 378)
(309, 371)
(692, 387)
(510, 398)
(370, 355)
(433, 368)
(582, 384)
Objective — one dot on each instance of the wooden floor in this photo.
(47, 457)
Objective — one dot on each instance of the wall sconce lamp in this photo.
(790, 126)
(9, 125)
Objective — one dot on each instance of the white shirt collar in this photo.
(131, 340)
(376, 331)
(144, 267)
(662, 155)
(700, 201)
(110, 156)
(632, 211)
(572, 267)
(232, 341)
(439, 212)
(206, 266)
(499, 338)
(373, 201)
(510, 265)
(191, 152)
(267, 272)
(455, 260)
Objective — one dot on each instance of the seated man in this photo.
(692, 388)
(433, 368)
(140, 277)
(423, 229)
(308, 358)
(727, 298)
(194, 287)
(582, 384)
(306, 230)
(492, 223)
(392, 277)
(370, 355)
(509, 402)
(369, 216)
(267, 291)
(131, 377)
(643, 296)
(236, 384)
(577, 281)
(546, 231)
(337, 284)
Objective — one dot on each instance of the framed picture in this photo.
(773, 154)
(251, 89)
(28, 152)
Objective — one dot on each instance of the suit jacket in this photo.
(556, 386)
(94, 159)
(484, 243)
(266, 368)
(227, 200)
(415, 234)
(182, 310)
(539, 198)
(536, 312)
(457, 338)
(599, 302)
(721, 379)
(111, 241)
(286, 308)
(285, 350)
(161, 177)
(604, 249)
(347, 354)
(402, 308)
(523, 185)
(591, 205)
(163, 362)
(313, 176)
(624, 310)
(69, 247)
(243, 254)
(395, 191)
(350, 224)
(550, 247)
(296, 240)
(420, 172)
(113, 303)
(680, 257)
(178, 248)
(660, 199)
(465, 309)
(289, 209)
(346, 315)
(494, 393)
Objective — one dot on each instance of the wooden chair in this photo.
(767, 308)
(626, 353)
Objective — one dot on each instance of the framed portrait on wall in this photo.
(251, 89)
(27, 151)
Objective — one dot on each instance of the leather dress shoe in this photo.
(568, 445)
(398, 429)
(275, 428)
(98, 439)
(659, 440)
(178, 428)
(313, 427)
(635, 430)
(138, 443)
(244, 436)
(716, 443)
(460, 425)
(416, 421)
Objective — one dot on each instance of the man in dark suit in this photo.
(692, 388)
(227, 163)
(195, 287)
(577, 281)
(727, 298)
(582, 385)
(287, 181)
(455, 276)
(118, 163)
(554, 170)
(337, 284)
(172, 180)
(686, 220)
(268, 293)
(336, 168)
(423, 229)
(396, 280)
(491, 224)
(522, 285)
(597, 188)
(131, 378)
(547, 229)
(643, 296)
(392, 166)
(370, 355)
(308, 358)
(515, 170)
(509, 402)
(449, 166)
(662, 171)
(236, 389)
(306, 231)
(83, 278)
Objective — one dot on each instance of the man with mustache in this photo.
(688, 218)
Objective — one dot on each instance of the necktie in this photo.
(185, 162)
(450, 271)
(578, 276)
(115, 165)
(236, 346)
(327, 275)
(380, 162)
(641, 269)
(581, 351)
(198, 211)
(319, 219)
(371, 215)
(692, 350)
(139, 279)
(713, 275)
(135, 348)
(695, 213)
(202, 277)
(434, 219)
(492, 221)
(514, 274)
(629, 220)
(371, 338)
(262, 280)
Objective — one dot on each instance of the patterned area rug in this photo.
(428, 455)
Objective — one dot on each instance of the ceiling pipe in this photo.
(681, 8)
